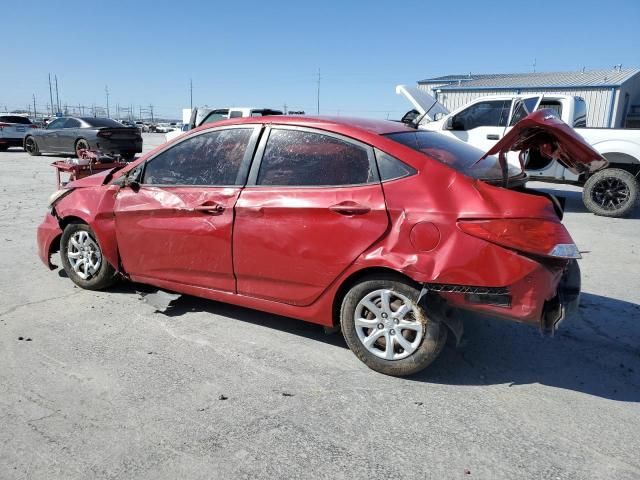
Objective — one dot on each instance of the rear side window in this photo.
(15, 119)
(209, 159)
(72, 123)
(235, 114)
(302, 158)
(523, 108)
(580, 115)
(216, 116)
(390, 167)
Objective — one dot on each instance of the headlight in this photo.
(57, 195)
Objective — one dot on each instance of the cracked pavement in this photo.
(107, 388)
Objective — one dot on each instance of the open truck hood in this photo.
(544, 130)
(422, 102)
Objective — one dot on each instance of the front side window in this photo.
(57, 123)
(491, 113)
(212, 158)
(302, 158)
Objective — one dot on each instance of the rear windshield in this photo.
(454, 153)
(15, 119)
(102, 122)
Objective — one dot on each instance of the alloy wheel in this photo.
(84, 255)
(388, 324)
(610, 193)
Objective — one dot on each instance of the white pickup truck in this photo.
(612, 191)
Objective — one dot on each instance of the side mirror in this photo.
(132, 182)
(449, 124)
(454, 123)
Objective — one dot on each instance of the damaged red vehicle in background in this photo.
(372, 226)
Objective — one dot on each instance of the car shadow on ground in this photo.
(596, 351)
(574, 203)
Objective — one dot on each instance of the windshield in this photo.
(454, 153)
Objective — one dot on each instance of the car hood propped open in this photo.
(422, 102)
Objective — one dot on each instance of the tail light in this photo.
(104, 134)
(534, 236)
(33, 126)
(2, 125)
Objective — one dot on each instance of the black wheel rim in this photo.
(610, 193)
(82, 145)
(30, 145)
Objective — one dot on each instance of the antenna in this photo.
(50, 95)
(534, 65)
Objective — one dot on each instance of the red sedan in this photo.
(372, 226)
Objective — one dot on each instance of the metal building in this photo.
(612, 96)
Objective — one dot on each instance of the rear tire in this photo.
(611, 192)
(31, 146)
(393, 335)
(82, 258)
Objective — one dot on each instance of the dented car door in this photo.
(313, 204)
(176, 223)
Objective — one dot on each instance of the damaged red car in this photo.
(370, 226)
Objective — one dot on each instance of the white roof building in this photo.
(612, 96)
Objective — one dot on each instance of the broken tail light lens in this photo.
(529, 235)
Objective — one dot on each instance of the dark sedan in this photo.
(71, 134)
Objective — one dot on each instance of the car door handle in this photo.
(349, 208)
(493, 136)
(213, 209)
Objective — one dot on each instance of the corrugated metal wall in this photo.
(598, 100)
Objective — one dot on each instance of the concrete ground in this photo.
(97, 385)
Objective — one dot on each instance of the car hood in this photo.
(94, 180)
(422, 102)
(544, 130)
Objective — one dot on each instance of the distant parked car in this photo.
(164, 128)
(13, 129)
(143, 127)
(71, 134)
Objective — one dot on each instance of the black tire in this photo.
(434, 334)
(104, 276)
(31, 146)
(128, 156)
(611, 192)
(81, 144)
(4, 148)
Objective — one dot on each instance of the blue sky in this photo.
(267, 53)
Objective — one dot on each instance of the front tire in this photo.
(82, 258)
(611, 192)
(386, 328)
(31, 146)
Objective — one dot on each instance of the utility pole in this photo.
(285, 108)
(318, 91)
(151, 110)
(140, 110)
(106, 91)
(51, 95)
(57, 95)
(118, 111)
(35, 115)
(534, 65)
(191, 93)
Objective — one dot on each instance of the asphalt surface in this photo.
(99, 385)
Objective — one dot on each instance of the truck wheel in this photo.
(386, 329)
(611, 192)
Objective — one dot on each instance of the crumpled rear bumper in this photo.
(566, 301)
(49, 233)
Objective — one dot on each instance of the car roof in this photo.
(379, 127)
